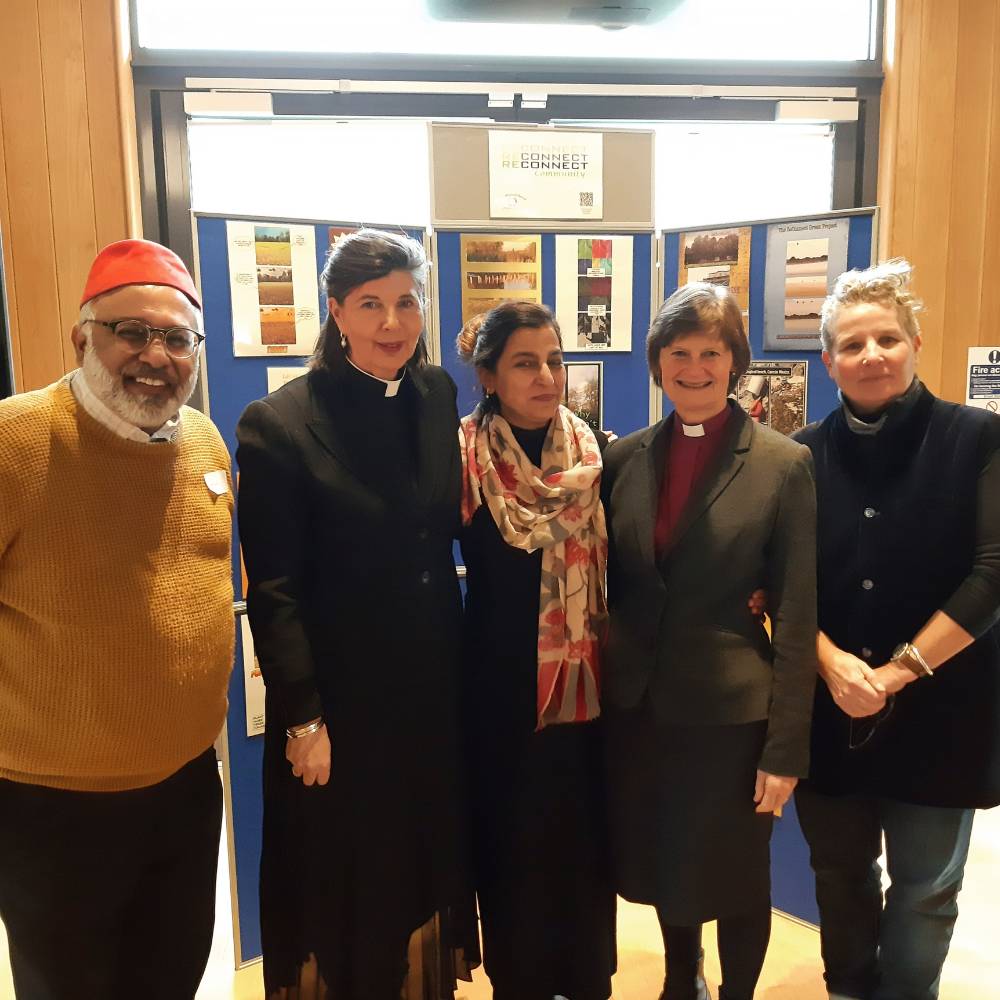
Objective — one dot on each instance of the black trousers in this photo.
(111, 895)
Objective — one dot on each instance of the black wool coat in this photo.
(897, 516)
(347, 518)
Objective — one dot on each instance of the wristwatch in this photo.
(907, 655)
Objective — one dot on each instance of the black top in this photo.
(909, 525)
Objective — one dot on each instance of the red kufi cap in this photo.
(138, 262)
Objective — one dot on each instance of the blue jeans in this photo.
(893, 950)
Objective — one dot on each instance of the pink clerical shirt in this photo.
(692, 449)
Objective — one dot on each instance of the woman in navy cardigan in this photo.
(906, 732)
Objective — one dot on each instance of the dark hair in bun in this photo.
(484, 337)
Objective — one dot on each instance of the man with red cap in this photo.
(116, 636)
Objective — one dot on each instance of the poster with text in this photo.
(720, 257)
(498, 269)
(984, 379)
(774, 394)
(546, 175)
(272, 281)
(594, 292)
(584, 391)
(804, 259)
(253, 682)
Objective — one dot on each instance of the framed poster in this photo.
(546, 175)
(594, 292)
(272, 282)
(804, 259)
(720, 257)
(584, 391)
(774, 394)
(499, 269)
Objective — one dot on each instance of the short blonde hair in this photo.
(886, 284)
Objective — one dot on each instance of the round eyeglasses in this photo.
(134, 335)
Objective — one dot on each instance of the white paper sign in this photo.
(277, 377)
(546, 175)
(273, 288)
(983, 386)
(253, 682)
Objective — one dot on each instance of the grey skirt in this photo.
(684, 834)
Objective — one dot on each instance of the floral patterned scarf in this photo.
(557, 509)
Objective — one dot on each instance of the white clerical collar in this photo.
(693, 430)
(95, 408)
(391, 385)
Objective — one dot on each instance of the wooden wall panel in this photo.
(68, 168)
(989, 327)
(29, 243)
(939, 181)
(67, 132)
(11, 288)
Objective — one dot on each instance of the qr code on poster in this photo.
(586, 199)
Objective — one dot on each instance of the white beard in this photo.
(110, 390)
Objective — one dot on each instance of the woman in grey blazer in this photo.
(707, 715)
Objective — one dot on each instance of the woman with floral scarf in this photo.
(535, 548)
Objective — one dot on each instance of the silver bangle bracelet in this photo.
(297, 732)
(924, 665)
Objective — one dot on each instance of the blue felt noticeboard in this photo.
(626, 378)
(235, 382)
(792, 882)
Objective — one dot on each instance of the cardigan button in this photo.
(423, 534)
(867, 584)
(870, 512)
(425, 577)
(866, 652)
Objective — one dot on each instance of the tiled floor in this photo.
(792, 968)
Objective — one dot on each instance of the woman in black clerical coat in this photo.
(350, 481)
(534, 545)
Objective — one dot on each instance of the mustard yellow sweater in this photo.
(116, 624)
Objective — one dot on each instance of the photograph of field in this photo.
(274, 285)
(507, 250)
(507, 281)
(720, 257)
(805, 286)
(583, 391)
(806, 263)
(273, 245)
(499, 269)
(717, 246)
(277, 324)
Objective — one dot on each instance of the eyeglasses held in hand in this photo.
(862, 730)
(135, 336)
